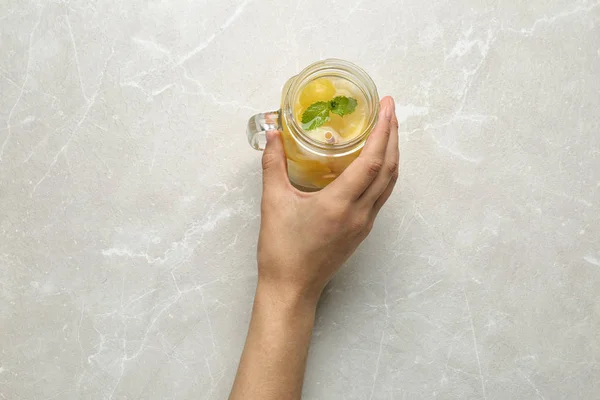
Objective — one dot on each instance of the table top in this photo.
(130, 198)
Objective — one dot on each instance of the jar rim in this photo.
(340, 68)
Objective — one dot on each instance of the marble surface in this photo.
(130, 197)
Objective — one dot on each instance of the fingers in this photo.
(274, 163)
(390, 167)
(384, 197)
(361, 173)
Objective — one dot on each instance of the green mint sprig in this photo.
(317, 113)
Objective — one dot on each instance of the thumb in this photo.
(274, 163)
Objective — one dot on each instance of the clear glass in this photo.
(314, 163)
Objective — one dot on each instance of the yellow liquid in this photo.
(310, 171)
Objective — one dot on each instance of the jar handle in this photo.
(258, 125)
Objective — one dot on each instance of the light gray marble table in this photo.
(129, 197)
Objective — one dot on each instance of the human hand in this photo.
(306, 237)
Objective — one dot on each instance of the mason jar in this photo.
(316, 155)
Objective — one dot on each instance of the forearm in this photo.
(274, 357)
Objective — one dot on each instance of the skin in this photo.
(304, 240)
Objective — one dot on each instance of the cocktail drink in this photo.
(327, 112)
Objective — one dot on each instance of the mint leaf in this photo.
(342, 105)
(315, 115)
(318, 113)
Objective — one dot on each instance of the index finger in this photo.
(362, 171)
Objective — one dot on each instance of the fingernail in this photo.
(270, 135)
(393, 104)
(388, 109)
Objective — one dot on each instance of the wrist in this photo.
(285, 297)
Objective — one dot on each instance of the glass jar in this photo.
(315, 157)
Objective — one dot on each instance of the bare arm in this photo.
(304, 239)
(274, 358)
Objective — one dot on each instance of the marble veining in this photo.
(130, 197)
